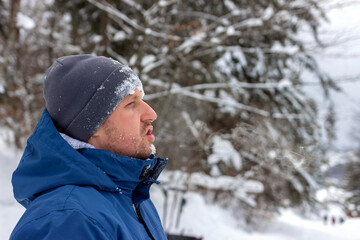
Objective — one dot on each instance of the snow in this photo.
(130, 84)
(268, 13)
(243, 189)
(148, 59)
(49, 2)
(224, 61)
(164, 3)
(10, 210)
(223, 151)
(338, 158)
(230, 31)
(251, 22)
(283, 49)
(148, 31)
(220, 29)
(153, 149)
(119, 36)
(187, 45)
(211, 222)
(230, 5)
(96, 38)
(332, 194)
(24, 21)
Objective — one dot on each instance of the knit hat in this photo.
(81, 91)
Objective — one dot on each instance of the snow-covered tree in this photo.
(31, 36)
(352, 173)
(352, 186)
(10, 98)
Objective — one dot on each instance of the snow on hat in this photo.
(81, 91)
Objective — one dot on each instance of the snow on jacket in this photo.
(83, 194)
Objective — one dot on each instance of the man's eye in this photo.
(130, 104)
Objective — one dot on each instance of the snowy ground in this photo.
(198, 219)
(10, 210)
(213, 223)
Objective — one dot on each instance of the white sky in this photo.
(342, 61)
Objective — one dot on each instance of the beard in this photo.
(133, 146)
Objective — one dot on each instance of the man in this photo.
(88, 167)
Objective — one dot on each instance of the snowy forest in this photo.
(228, 80)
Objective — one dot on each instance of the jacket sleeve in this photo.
(65, 224)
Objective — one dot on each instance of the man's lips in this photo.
(149, 133)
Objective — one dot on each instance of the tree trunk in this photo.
(104, 21)
(10, 44)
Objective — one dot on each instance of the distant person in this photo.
(89, 164)
(325, 218)
(333, 220)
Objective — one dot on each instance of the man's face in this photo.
(127, 131)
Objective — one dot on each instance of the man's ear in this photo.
(95, 138)
(96, 134)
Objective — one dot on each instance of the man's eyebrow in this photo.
(133, 97)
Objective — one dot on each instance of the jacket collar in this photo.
(124, 171)
(131, 175)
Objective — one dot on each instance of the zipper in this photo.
(146, 174)
(141, 220)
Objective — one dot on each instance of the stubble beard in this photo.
(131, 146)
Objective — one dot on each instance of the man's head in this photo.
(127, 131)
(85, 96)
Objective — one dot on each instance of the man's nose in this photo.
(149, 114)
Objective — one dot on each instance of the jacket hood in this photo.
(49, 162)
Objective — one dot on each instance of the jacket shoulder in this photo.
(60, 224)
(53, 215)
(97, 214)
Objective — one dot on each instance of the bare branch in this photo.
(109, 9)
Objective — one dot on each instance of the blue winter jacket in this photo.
(83, 194)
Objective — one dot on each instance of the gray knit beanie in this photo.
(81, 91)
